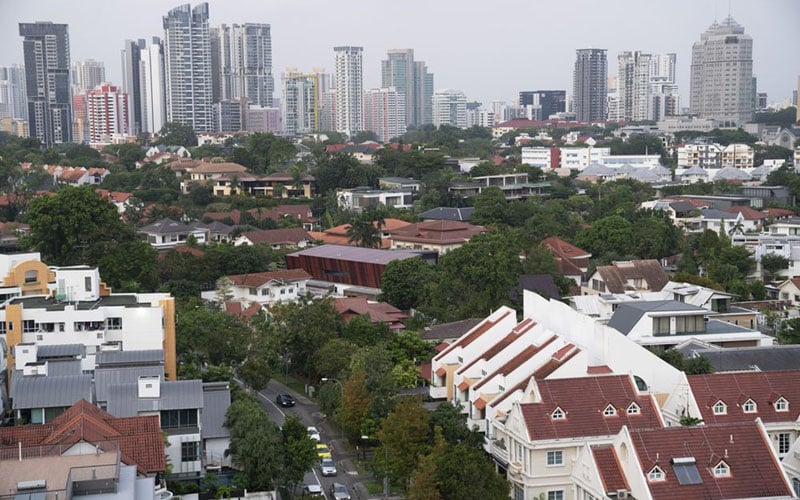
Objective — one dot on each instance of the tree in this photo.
(364, 136)
(299, 454)
(462, 461)
(130, 266)
(697, 365)
(365, 229)
(773, 263)
(177, 134)
(609, 235)
(671, 356)
(452, 426)
(256, 445)
(355, 406)
(404, 436)
(789, 331)
(491, 207)
(406, 283)
(333, 357)
(301, 328)
(539, 260)
(128, 154)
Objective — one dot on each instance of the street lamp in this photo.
(341, 387)
(366, 438)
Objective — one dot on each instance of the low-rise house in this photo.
(217, 231)
(266, 289)
(739, 359)
(338, 235)
(438, 236)
(300, 213)
(463, 214)
(375, 312)
(667, 323)
(571, 261)
(283, 185)
(721, 221)
(76, 176)
(173, 150)
(222, 175)
(363, 198)
(762, 197)
(293, 237)
(119, 199)
(622, 276)
(168, 233)
(82, 453)
(789, 291)
(399, 183)
(682, 213)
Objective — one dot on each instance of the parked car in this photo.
(285, 400)
(323, 451)
(313, 490)
(339, 492)
(313, 433)
(328, 467)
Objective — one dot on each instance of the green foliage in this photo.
(404, 437)
(609, 235)
(333, 357)
(773, 263)
(697, 365)
(128, 154)
(463, 461)
(789, 331)
(354, 410)
(539, 260)
(256, 445)
(177, 134)
(785, 117)
(299, 454)
(671, 356)
(341, 170)
(366, 229)
(364, 136)
(406, 283)
(450, 422)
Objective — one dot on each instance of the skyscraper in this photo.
(549, 102)
(13, 103)
(589, 85)
(47, 81)
(411, 80)
(722, 74)
(86, 75)
(132, 82)
(348, 76)
(152, 87)
(449, 108)
(107, 112)
(385, 113)
(301, 102)
(187, 58)
(245, 63)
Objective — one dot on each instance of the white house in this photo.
(265, 288)
(359, 199)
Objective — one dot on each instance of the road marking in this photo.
(273, 404)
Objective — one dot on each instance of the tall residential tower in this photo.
(245, 63)
(131, 82)
(589, 85)
(47, 81)
(187, 58)
(349, 81)
(152, 87)
(411, 79)
(722, 74)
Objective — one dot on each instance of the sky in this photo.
(490, 49)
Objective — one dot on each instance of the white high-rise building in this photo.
(449, 108)
(86, 75)
(152, 87)
(349, 81)
(187, 62)
(301, 102)
(107, 112)
(412, 81)
(13, 102)
(385, 113)
(646, 87)
(722, 74)
(245, 63)
(132, 81)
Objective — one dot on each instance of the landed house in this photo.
(463, 214)
(222, 176)
(668, 323)
(120, 200)
(337, 235)
(439, 236)
(399, 183)
(283, 185)
(217, 231)
(622, 276)
(300, 213)
(172, 150)
(684, 214)
(789, 291)
(76, 176)
(739, 359)
(168, 233)
(514, 186)
(571, 261)
(363, 198)
(293, 237)
(374, 312)
(265, 288)
(84, 453)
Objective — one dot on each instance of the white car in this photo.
(312, 489)
(327, 467)
(313, 433)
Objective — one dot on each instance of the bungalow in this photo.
(571, 261)
(220, 174)
(292, 237)
(620, 276)
(264, 288)
(439, 236)
(375, 312)
(168, 233)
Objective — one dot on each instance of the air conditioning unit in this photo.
(622, 493)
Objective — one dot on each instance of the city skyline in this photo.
(490, 67)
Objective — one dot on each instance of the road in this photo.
(309, 414)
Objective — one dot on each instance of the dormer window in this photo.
(610, 411)
(633, 409)
(558, 414)
(720, 408)
(749, 406)
(722, 470)
(781, 404)
(655, 474)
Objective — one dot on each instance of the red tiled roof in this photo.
(564, 249)
(377, 312)
(735, 388)
(481, 328)
(480, 404)
(524, 383)
(748, 213)
(598, 370)
(253, 280)
(438, 232)
(583, 401)
(754, 471)
(778, 212)
(425, 371)
(607, 462)
(515, 333)
(617, 275)
(441, 346)
(441, 371)
(515, 362)
(464, 385)
(287, 236)
(139, 439)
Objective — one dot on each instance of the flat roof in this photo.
(356, 254)
(50, 304)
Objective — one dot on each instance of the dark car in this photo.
(285, 400)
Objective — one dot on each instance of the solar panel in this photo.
(686, 470)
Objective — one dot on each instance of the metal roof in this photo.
(356, 254)
(765, 359)
(59, 351)
(628, 314)
(124, 400)
(446, 213)
(61, 367)
(137, 357)
(49, 392)
(216, 400)
(107, 379)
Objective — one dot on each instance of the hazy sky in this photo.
(491, 49)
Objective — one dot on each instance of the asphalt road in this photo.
(309, 414)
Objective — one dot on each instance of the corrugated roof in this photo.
(59, 351)
(50, 392)
(448, 213)
(124, 399)
(216, 400)
(628, 314)
(144, 356)
(107, 379)
(772, 358)
(356, 254)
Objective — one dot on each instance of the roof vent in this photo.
(31, 485)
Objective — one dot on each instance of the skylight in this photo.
(686, 470)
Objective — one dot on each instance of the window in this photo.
(518, 452)
(610, 411)
(781, 404)
(2, 327)
(720, 408)
(519, 493)
(722, 470)
(796, 486)
(655, 474)
(190, 452)
(555, 495)
(28, 326)
(633, 409)
(114, 323)
(555, 457)
(253, 291)
(784, 443)
(87, 283)
(660, 326)
(173, 419)
(558, 414)
(31, 276)
(749, 406)
(686, 470)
